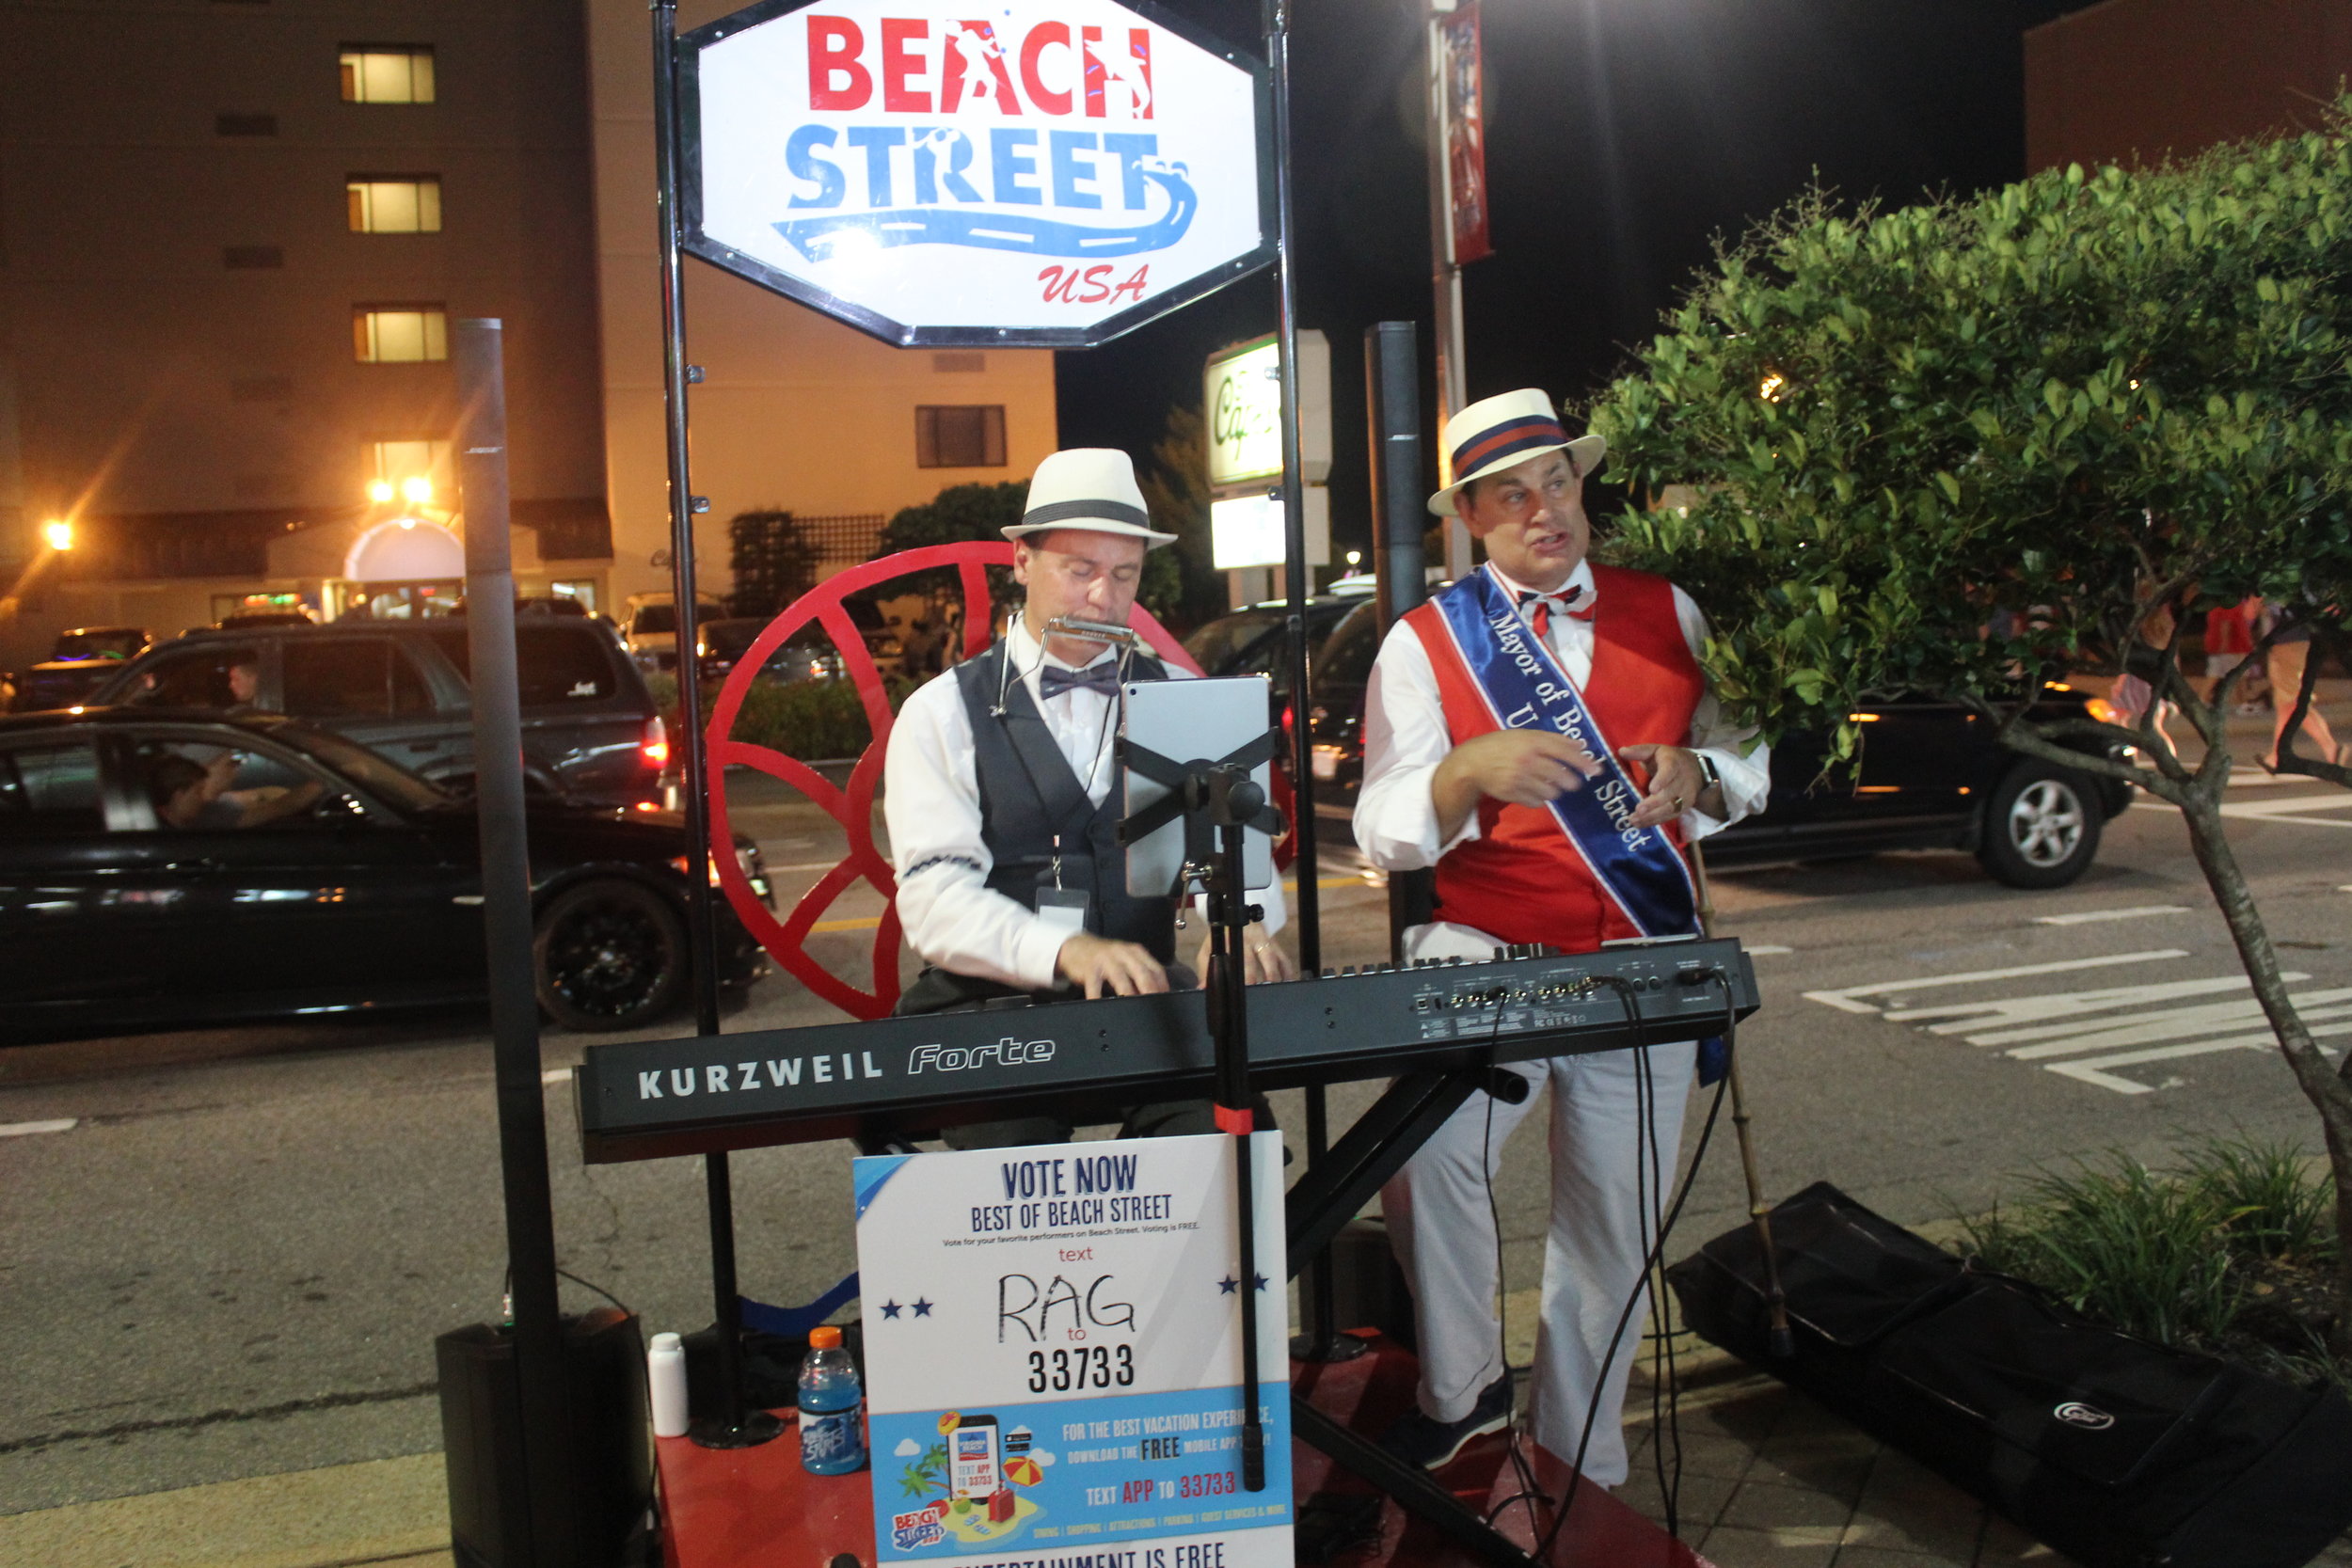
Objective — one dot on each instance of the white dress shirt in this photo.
(931, 806)
(1405, 736)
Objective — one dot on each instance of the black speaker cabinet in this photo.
(607, 1458)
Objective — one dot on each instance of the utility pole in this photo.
(1445, 279)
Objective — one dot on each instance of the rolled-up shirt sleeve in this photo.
(1742, 762)
(1406, 737)
(931, 805)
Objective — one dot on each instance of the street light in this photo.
(57, 534)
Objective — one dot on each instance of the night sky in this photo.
(1623, 136)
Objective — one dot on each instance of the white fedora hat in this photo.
(1087, 487)
(1493, 434)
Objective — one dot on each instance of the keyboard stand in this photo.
(1319, 1204)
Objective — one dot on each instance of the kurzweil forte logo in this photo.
(952, 164)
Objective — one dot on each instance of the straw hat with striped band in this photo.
(1087, 487)
(1493, 434)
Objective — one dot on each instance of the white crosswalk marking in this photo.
(1849, 1000)
(2020, 1010)
(2106, 1028)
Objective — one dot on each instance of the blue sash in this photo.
(1524, 685)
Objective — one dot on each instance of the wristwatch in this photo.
(1707, 767)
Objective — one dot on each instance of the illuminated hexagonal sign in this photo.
(1047, 173)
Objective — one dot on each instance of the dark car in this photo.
(1250, 641)
(80, 662)
(1931, 777)
(245, 620)
(590, 727)
(163, 866)
(721, 645)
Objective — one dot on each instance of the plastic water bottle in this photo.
(831, 1441)
(665, 1376)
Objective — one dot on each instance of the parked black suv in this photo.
(1932, 777)
(159, 867)
(590, 727)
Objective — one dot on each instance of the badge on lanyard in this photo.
(1062, 908)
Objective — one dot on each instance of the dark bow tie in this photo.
(1053, 680)
(1540, 617)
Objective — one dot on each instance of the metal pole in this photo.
(1310, 902)
(498, 751)
(1445, 279)
(730, 1426)
(1392, 377)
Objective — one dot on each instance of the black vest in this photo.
(1028, 795)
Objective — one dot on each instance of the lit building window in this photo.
(394, 204)
(398, 334)
(967, 437)
(388, 74)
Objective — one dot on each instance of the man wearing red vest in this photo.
(1542, 734)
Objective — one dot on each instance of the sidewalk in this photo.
(1770, 1480)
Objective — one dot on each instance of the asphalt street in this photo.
(226, 1253)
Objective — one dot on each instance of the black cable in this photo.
(1698, 1155)
(506, 1288)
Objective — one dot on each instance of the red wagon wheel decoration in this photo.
(787, 939)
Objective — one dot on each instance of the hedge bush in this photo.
(812, 721)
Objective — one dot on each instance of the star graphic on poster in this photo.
(891, 1309)
(1257, 1282)
(922, 1307)
(1228, 1285)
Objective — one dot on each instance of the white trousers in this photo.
(1605, 1209)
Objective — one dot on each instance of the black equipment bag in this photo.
(2117, 1452)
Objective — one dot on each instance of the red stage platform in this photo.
(757, 1507)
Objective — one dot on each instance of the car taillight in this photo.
(656, 745)
(2104, 711)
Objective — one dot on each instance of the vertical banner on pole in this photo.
(1053, 1353)
(1462, 80)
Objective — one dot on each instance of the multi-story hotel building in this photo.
(234, 235)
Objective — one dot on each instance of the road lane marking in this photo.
(2084, 917)
(2025, 1010)
(2293, 809)
(555, 1075)
(2100, 1031)
(1765, 950)
(2172, 1023)
(2094, 1070)
(34, 1129)
(1848, 999)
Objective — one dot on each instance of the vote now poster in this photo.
(1053, 1355)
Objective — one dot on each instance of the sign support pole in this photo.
(1445, 279)
(1307, 911)
(730, 1426)
(501, 821)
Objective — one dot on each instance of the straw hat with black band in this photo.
(1087, 487)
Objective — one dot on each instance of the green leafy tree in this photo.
(1961, 448)
(1182, 583)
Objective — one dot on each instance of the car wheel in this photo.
(609, 955)
(2040, 826)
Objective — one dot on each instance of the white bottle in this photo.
(665, 1372)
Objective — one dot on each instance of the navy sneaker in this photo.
(1432, 1445)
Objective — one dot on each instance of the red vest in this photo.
(1520, 880)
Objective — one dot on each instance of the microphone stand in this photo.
(1219, 801)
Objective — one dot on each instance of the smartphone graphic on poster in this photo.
(974, 1468)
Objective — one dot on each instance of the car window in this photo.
(1347, 657)
(193, 787)
(555, 666)
(49, 789)
(196, 678)
(1215, 646)
(354, 677)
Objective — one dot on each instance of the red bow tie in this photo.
(1540, 617)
